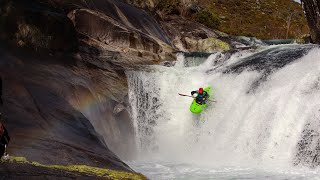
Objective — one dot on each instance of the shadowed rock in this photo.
(308, 147)
(269, 61)
(62, 65)
(191, 36)
(43, 123)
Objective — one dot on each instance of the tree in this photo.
(312, 12)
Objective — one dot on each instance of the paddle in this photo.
(194, 97)
(185, 95)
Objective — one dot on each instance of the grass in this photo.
(267, 19)
(208, 19)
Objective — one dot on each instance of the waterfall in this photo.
(267, 110)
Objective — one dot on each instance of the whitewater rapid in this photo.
(267, 107)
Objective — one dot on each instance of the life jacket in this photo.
(2, 129)
(4, 136)
(199, 98)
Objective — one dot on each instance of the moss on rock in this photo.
(88, 170)
(211, 44)
(207, 45)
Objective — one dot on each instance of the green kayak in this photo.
(198, 108)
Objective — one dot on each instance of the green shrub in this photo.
(208, 19)
(168, 6)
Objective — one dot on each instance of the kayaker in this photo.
(200, 95)
(4, 140)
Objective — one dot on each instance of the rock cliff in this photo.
(62, 69)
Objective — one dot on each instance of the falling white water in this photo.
(253, 129)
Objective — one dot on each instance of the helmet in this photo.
(200, 90)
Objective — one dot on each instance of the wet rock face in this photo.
(44, 111)
(268, 62)
(308, 148)
(107, 31)
(191, 36)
